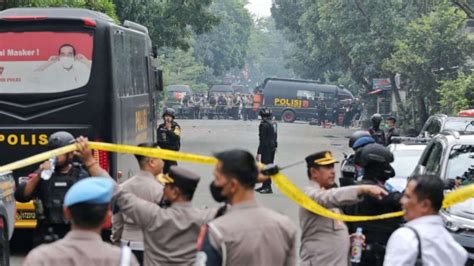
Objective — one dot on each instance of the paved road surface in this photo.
(295, 141)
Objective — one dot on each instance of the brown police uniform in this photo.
(250, 234)
(325, 241)
(124, 230)
(76, 248)
(169, 234)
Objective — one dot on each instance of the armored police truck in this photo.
(292, 99)
(74, 70)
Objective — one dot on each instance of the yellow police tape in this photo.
(280, 180)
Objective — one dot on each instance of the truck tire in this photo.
(288, 116)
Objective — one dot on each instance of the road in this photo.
(295, 142)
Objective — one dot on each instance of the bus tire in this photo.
(288, 116)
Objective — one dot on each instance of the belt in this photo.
(134, 245)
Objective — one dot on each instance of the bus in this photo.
(293, 99)
(74, 70)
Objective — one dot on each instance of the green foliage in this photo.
(104, 6)
(457, 94)
(180, 67)
(431, 51)
(225, 46)
(171, 23)
(267, 52)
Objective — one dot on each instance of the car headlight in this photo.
(455, 223)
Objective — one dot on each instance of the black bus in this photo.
(292, 99)
(75, 70)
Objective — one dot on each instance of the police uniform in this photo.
(169, 139)
(49, 195)
(145, 186)
(82, 247)
(248, 234)
(169, 234)
(267, 144)
(325, 241)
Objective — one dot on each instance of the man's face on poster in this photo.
(66, 56)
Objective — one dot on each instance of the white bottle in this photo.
(356, 247)
(47, 173)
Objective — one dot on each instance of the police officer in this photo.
(49, 191)
(86, 205)
(392, 130)
(325, 241)
(169, 136)
(170, 231)
(145, 186)
(375, 131)
(349, 171)
(248, 233)
(267, 145)
(375, 160)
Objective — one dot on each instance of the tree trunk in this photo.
(423, 113)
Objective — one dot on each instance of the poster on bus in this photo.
(44, 62)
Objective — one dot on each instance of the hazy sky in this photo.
(260, 8)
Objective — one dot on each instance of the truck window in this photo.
(433, 164)
(44, 61)
(305, 95)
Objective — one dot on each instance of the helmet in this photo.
(169, 111)
(361, 142)
(373, 153)
(60, 139)
(356, 135)
(265, 112)
(376, 119)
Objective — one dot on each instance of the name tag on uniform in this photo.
(60, 184)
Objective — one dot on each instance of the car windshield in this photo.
(461, 163)
(459, 125)
(405, 161)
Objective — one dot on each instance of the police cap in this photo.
(320, 158)
(91, 190)
(182, 178)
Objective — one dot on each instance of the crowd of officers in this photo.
(217, 106)
(155, 222)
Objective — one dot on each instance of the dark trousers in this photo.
(139, 255)
(268, 156)
(168, 164)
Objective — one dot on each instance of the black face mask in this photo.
(164, 203)
(216, 193)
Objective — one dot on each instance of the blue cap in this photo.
(92, 190)
(362, 142)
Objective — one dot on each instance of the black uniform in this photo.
(267, 145)
(169, 139)
(49, 198)
(376, 232)
(378, 135)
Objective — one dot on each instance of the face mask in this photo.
(164, 203)
(66, 61)
(216, 193)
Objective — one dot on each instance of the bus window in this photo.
(305, 95)
(44, 61)
(326, 96)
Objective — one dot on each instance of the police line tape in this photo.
(281, 181)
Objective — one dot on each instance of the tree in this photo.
(457, 94)
(180, 67)
(432, 50)
(267, 53)
(226, 45)
(104, 6)
(171, 23)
